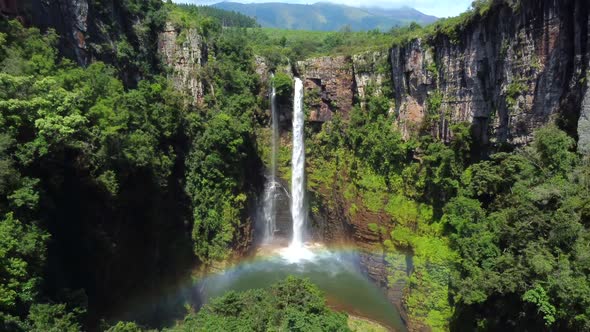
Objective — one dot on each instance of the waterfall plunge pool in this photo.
(336, 273)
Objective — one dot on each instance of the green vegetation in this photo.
(281, 46)
(223, 149)
(508, 232)
(519, 223)
(195, 16)
(362, 325)
(283, 85)
(433, 106)
(290, 305)
(69, 136)
(111, 183)
(88, 161)
(513, 90)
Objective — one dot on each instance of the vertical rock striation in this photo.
(183, 53)
(70, 19)
(518, 67)
(507, 73)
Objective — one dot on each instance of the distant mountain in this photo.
(326, 16)
(405, 14)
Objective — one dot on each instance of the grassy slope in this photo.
(308, 44)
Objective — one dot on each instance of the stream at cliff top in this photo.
(335, 273)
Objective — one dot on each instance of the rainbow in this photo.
(335, 270)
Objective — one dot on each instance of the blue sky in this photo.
(440, 8)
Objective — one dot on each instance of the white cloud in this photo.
(440, 8)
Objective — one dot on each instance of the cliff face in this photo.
(120, 33)
(329, 84)
(183, 53)
(70, 20)
(507, 73)
(371, 75)
(117, 35)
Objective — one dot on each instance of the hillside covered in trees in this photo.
(117, 189)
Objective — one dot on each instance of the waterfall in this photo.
(298, 169)
(272, 185)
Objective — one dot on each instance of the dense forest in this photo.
(95, 170)
(112, 184)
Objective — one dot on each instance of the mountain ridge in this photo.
(326, 16)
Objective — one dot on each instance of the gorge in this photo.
(439, 174)
(336, 273)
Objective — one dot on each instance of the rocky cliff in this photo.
(119, 33)
(70, 20)
(183, 53)
(328, 84)
(517, 67)
(507, 72)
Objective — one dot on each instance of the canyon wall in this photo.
(328, 85)
(69, 18)
(519, 66)
(119, 33)
(507, 72)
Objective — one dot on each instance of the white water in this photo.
(298, 168)
(271, 189)
(296, 250)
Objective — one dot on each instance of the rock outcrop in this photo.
(329, 86)
(70, 19)
(115, 32)
(507, 73)
(336, 225)
(183, 53)
(371, 75)
(521, 65)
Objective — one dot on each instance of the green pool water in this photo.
(335, 273)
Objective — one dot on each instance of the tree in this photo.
(52, 318)
(293, 304)
(22, 255)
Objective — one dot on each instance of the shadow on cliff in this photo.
(122, 256)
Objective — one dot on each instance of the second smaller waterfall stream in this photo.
(269, 208)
